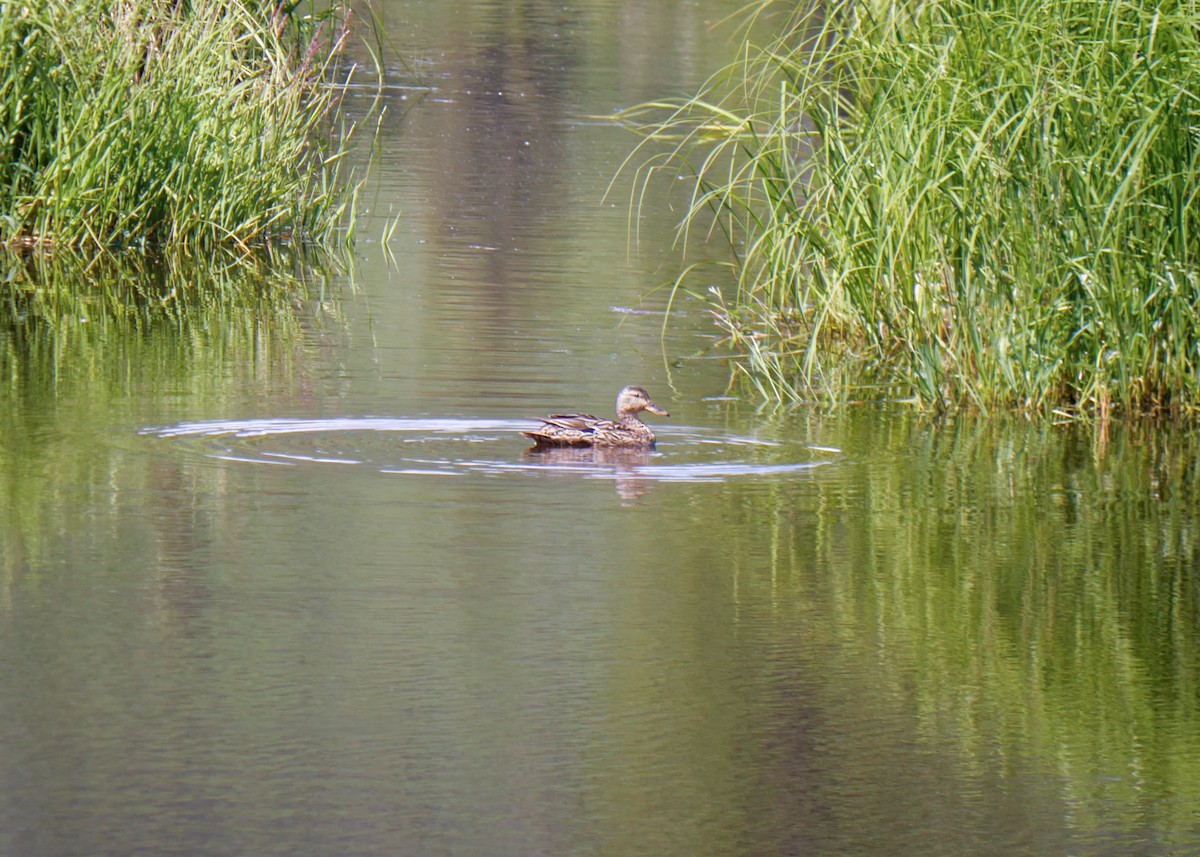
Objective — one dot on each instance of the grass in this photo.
(973, 204)
(168, 123)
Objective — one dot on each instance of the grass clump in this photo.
(182, 123)
(974, 203)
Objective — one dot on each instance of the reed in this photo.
(167, 123)
(988, 204)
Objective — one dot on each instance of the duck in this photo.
(585, 430)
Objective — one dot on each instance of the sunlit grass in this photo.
(154, 122)
(972, 204)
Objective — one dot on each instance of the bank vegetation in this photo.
(971, 204)
(169, 124)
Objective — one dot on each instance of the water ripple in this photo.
(683, 454)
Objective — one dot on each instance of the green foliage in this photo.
(981, 203)
(167, 123)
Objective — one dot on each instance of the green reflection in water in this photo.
(66, 319)
(89, 344)
(1027, 594)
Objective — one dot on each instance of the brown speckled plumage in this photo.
(559, 430)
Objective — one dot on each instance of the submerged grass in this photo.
(167, 123)
(988, 204)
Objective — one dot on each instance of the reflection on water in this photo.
(236, 632)
(628, 468)
(943, 620)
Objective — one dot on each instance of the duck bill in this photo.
(655, 409)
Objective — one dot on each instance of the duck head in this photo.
(633, 400)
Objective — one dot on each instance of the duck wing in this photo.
(574, 422)
(568, 430)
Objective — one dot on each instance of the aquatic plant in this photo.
(969, 203)
(168, 123)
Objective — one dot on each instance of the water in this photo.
(280, 578)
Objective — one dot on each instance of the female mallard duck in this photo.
(628, 431)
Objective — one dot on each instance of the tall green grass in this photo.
(988, 204)
(167, 122)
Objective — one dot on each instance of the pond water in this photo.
(279, 576)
